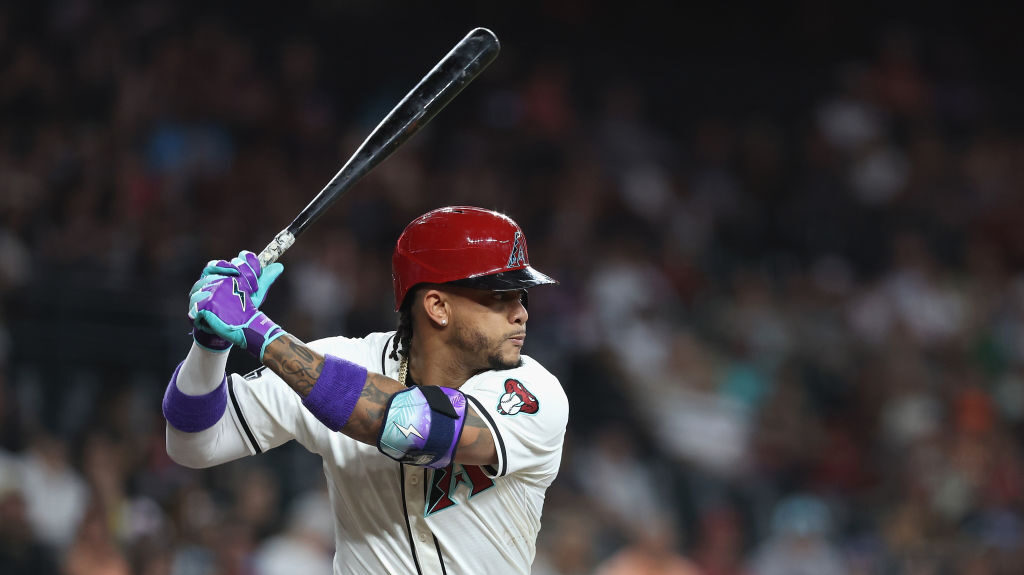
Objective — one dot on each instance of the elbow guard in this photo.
(422, 426)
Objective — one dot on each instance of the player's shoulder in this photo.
(530, 375)
(533, 370)
(365, 350)
(527, 389)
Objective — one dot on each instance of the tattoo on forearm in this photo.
(300, 367)
(372, 401)
(473, 421)
(297, 365)
(375, 397)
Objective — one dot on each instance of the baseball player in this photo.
(438, 439)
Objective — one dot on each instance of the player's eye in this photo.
(509, 296)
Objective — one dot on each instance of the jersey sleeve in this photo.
(527, 412)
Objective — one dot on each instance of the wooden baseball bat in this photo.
(457, 69)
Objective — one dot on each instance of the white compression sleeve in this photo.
(202, 371)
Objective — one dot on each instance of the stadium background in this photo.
(791, 313)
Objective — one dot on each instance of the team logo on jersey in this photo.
(445, 483)
(517, 399)
(517, 257)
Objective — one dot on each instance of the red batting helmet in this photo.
(464, 246)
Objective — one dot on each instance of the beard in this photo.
(485, 351)
(497, 363)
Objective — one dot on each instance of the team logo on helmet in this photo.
(517, 257)
(517, 399)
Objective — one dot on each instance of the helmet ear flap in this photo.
(524, 298)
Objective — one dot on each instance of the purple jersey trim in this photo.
(192, 413)
(336, 392)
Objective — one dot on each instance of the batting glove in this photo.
(249, 279)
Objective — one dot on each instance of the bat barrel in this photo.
(457, 69)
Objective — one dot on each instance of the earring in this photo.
(444, 322)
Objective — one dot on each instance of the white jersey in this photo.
(394, 518)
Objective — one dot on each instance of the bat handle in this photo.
(276, 248)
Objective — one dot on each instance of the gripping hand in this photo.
(224, 305)
(247, 267)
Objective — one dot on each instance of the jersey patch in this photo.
(517, 399)
(445, 482)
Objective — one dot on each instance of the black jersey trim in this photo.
(384, 355)
(408, 526)
(241, 418)
(503, 460)
(437, 544)
(440, 557)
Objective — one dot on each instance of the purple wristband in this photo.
(336, 391)
(192, 413)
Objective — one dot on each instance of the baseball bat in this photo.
(457, 69)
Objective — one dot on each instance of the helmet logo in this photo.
(517, 257)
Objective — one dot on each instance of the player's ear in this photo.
(436, 307)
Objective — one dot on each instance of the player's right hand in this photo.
(253, 280)
(224, 306)
(247, 267)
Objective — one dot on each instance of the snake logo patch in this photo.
(517, 399)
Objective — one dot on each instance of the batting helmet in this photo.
(466, 246)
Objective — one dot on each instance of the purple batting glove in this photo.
(223, 305)
(253, 279)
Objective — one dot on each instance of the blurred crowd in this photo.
(792, 338)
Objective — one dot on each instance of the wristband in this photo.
(336, 391)
(192, 413)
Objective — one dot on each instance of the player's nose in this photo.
(519, 315)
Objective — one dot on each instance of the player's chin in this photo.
(505, 359)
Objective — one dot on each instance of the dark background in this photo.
(791, 316)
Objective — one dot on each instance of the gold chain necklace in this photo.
(403, 369)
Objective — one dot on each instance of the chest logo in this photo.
(517, 399)
(444, 486)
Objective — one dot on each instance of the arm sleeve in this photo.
(201, 374)
(527, 442)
